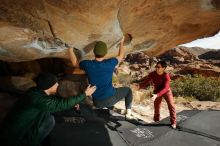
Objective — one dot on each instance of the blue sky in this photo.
(209, 42)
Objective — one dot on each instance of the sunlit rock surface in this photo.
(40, 28)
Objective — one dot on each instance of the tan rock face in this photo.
(40, 28)
(157, 26)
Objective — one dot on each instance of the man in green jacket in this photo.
(30, 121)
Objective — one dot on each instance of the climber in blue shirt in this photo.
(100, 72)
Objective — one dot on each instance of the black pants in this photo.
(35, 137)
(122, 92)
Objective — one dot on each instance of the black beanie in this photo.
(45, 80)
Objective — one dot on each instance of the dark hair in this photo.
(98, 56)
(69, 88)
(162, 63)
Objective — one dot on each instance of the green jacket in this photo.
(29, 111)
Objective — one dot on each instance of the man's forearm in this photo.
(121, 51)
(73, 57)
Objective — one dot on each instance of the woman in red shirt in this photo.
(161, 83)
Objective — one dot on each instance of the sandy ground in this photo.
(145, 109)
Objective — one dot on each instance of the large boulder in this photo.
(43, 28)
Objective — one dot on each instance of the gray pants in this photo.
(122, 92)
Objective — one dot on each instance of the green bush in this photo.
(202, 88)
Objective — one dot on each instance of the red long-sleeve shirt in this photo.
(161, 83)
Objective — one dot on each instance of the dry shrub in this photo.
(200, 87)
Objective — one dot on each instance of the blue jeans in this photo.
(121, 92)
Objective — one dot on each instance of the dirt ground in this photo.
(145, 109)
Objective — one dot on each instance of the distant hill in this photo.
(197, 51)
(202, 53)
(211, 55)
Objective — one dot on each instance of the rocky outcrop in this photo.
(178, 55)
(16, 84)
(181, 61)
(193, 61)
(41, 28)
(138, 58)
(198, 68)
